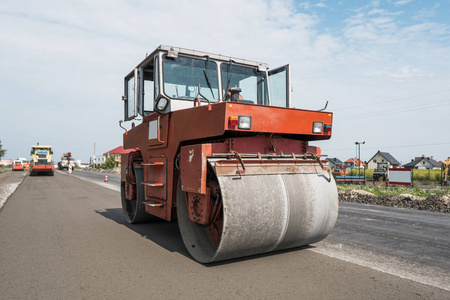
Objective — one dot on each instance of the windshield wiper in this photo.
(229, 77)
(206, 77)
(209, 84)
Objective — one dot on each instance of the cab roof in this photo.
(196, 53)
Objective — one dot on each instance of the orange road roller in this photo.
(219, 149)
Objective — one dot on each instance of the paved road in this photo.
(405, 242)
(61, 237)
(97, 178)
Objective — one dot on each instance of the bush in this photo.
(426, 175)
(109, 163)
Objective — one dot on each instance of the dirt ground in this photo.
(432, 203)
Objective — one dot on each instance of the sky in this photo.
(383, 66)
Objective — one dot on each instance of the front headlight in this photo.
(317, 127)
(245, 122)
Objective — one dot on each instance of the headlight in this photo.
(317, 127)
(245, 122)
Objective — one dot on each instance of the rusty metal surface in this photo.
(193, 167)
(232, 167)
(208, 124)
(199, 207)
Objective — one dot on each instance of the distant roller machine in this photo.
(41, 160)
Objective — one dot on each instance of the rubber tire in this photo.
(138, 214)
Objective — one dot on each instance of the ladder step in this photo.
(152, 204)
(157, 163)
(154, 184)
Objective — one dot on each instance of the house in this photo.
(354, 163)
(117, 153)
(333, 161)
(423, 163)
(382, 158)
(5, 162)
(96, 160)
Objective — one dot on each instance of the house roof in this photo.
(118, 150)
(388, 157)
(335, 160)
(419, 159)
(355, 161)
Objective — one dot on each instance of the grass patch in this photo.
(390, 190)
(417, 175)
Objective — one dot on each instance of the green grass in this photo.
(417, 175)
(387, 190)
(427, 175)
(4, 168)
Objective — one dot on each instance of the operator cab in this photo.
(172, 78)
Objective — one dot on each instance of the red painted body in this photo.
(187, 138)
(18, 167)
(42, 168)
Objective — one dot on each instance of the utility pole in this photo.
(93, 158)
(358, 153)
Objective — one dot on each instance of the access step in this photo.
(153, 184)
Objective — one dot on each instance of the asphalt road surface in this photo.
(65, 238)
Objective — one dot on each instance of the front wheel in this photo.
(133, 209)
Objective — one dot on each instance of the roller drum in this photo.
(263, 213)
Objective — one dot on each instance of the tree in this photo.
(2, 151)
(109, 163)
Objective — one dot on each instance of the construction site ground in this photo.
(66, 238)
(436, 203)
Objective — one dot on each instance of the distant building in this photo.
(333, 161)
(354, 163)
(117, 153)
(5, 162)
(96, 160)
(423, 163)
(382, 158)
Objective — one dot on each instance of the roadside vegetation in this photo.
(109, 163)
(417, 175)
(379, 190)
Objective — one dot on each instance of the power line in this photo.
(389, 147)
(397, 110)
(390, 101)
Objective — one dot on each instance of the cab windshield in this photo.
(249, 80)
(41, 151)
(184, 75)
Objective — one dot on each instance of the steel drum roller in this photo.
(263, 213)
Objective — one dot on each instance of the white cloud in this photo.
(68, 60)
(402, 2)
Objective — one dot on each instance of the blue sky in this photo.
(384, 66)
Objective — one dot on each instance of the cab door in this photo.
(280, 86)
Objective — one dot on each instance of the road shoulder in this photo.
(9, 182)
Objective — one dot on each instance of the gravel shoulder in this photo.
(9, 181)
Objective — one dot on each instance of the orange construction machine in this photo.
(220, 149)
